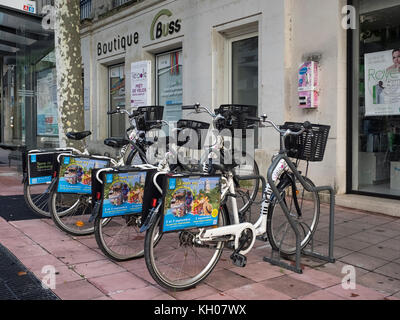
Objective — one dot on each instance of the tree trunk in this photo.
(69, 70)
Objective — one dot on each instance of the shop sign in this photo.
(140, 83)
(159, 29)
(117, 44)
(382, 83)
(24, 5)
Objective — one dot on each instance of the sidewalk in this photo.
(369, 242)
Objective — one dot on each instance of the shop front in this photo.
(28, 79)
(374, 108)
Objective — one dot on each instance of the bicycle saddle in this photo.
(78, 135)
(116, 142)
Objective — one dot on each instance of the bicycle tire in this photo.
(74, 219)
(37, 200)
(309, 203)
(119, 238)
(164, 259)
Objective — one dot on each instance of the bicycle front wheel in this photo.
(71, 213)
(280, 233)
(176, 260)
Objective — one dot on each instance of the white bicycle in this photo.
(181, 259)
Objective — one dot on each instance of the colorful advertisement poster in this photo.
(140, 83)
(47, 111)
(41, 167)
(382, 83)
(123, 193)
(75, 174)
(191, 202)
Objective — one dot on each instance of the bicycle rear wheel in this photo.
(119, 238)
(176, 261)
(280, 233)
(37, 198)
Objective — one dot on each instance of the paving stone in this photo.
(392, 244)
(368, 237)
(116, 282)
(380, 230)
(321, 295)
(257, 291)
(77, 290)
(258, 271)
(359, 293)
(337, 268)
(201, 290)
(351, 244)
(380, 251)
(146, 293)
(62, 274)
(218, 296)
(363, 261)
(290, 286)
(379, 282)
(317, 278)
(97, 268)
(224, 280)
(391, 270)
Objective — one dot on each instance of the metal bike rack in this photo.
(277, 261)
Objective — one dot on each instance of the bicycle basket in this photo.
(306, 146)
(236, 116)
(196, 126)
(149, 113)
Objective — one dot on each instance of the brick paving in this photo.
(367, 241)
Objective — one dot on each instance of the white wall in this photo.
(315, 29)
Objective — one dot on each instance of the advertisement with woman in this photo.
(382, 79)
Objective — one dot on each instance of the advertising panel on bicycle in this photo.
(41, 166)
(191, 202)
(75, 173)
(123, 193)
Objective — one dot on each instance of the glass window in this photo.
(169, 84)
(244, 81)
(376, 101)
(46, 93)
(117, 99)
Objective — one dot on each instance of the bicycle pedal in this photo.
(262, 237)
(239, 260)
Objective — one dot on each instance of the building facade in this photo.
(254, 52)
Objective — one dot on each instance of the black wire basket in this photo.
(236, 116)
(306, 146)
(148, 114)
(197, 126)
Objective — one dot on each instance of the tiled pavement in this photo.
(369, 242)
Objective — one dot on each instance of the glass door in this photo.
(169, 84)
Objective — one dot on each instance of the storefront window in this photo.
(376, 100)
(245, 74)
(117, 99)
(28, 108)
(46, 92)
(169, 84)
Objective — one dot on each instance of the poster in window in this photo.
(382, 83)
(47, 112)
(140, 83)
